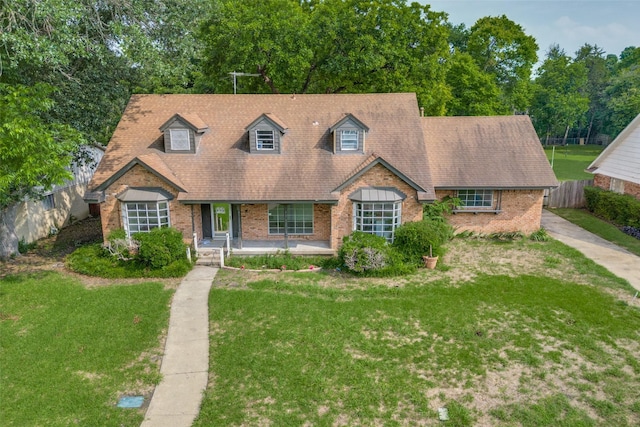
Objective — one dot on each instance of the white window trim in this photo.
(260, 140)
(178, 142)
(49, 202)
(482, 199)
(292, 217)
(351, 132)
(162, 219)
(371, 224)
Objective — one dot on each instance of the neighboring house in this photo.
(63, 204)
(617, 168)
(314, 168)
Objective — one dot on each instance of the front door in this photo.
(221, 217)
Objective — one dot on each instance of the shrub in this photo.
(24, 247)
(631, 231)
(621, 209)
(415, 239)
(439, 208)
(160, 247)
(368, 254)
(539, 236)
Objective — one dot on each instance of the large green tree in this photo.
(598, 76)
(474, 93)
(34, 154)
(502, 48)
(330, 46)
(623, 91)
(560, 100)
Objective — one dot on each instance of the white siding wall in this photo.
(623, 161)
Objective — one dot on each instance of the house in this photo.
(61, 205)
(617, 168)
(307, 170)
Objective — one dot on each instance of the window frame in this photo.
(173, 139)
(48, 202)
(366, 217)
(299, 219)
(352, 133)
(261, 139)
(144, 223)
(475, 198)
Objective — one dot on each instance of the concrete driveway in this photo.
(617, 260)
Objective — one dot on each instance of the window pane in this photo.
(145, 216)
(377, 218)
(264, 140)
(349, 140)
(476, 198)
(299, 219)
(179, 139)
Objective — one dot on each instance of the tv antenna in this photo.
(235, 75)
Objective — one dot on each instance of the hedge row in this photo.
(620, 209)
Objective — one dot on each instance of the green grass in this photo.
(510, 349)
(68, 353)
(595, 225)
(570, 161)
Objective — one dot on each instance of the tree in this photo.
(474, 93)
(597, 77)
(501, 48)
(34, 154)
(560, 100)
(623, 91)
(330, 46)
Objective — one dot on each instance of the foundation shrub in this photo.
(160, 247)
(621, 209)
(370, 255)
(415, 239)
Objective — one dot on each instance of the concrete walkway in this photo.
(185, 365)
(617, 260)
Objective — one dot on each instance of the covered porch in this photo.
(261, 247)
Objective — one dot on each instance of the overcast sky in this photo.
(610, 24)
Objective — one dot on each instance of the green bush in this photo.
(415, 239)
(92, 260)
(160, 247)
(621, 209)
(371, 255)
(277, 260)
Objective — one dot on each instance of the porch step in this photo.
(208, 257)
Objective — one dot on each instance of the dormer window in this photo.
(264, 140)
(348, 140)
(266, 134)
(179, 139)
(349, 135)
(182, 133)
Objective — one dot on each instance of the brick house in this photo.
(617, 168)
(301, 169)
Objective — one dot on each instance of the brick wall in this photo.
(179, 214)
(377, 176)
(255, 223)
(521, 211)
(604, 182)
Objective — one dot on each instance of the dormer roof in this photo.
(349, 117)
(190, 120)
(273, 120)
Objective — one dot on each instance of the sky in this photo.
(610, 24)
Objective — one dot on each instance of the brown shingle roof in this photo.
(224, 170)
(486, 152)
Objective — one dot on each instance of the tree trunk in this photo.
(8, 236)
(566, 133)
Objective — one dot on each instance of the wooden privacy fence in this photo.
(570, 194)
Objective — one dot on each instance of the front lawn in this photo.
(595, 225)
(570, 161)
(68, 353)
(501, 334)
